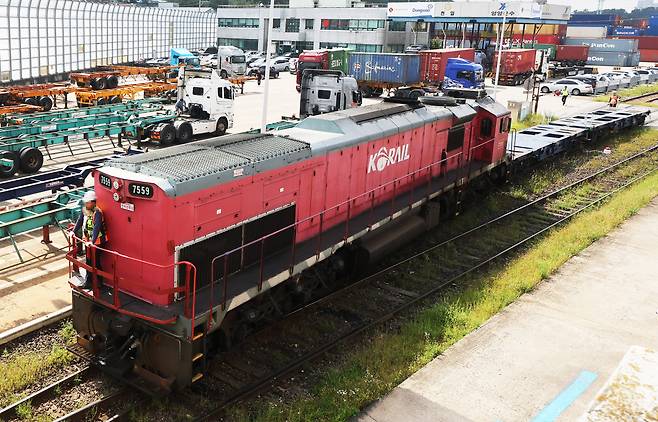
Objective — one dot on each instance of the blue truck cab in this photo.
(182, 56)
(464, 73)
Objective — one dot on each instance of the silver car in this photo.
(646, 75)
(600, 83)
(634, 77)
(623, 79)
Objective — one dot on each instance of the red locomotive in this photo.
(206, 236)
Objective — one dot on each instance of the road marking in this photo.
(566, 397)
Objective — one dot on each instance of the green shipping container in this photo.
(338, 58)
(547, 47)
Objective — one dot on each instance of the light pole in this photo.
(500, 50)
(266, 85)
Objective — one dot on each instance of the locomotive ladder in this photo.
(199, 351)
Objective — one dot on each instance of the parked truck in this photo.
(413, 75)
(231, 61)
(183, 56)
(205, 106)
(324, 91)
(516, 65)
(328, 59)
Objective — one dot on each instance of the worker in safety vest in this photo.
(91, 223)
(565, 94)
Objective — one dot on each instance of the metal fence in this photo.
(40, 39)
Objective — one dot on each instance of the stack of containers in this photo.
(609, 52)
(590, 25)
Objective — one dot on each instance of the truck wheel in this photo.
(102, 83)
(545, 89)
(30, 160)
(93, 83)
(115, 100)
(46, 103)
(223, 74)
(112, 82)
(222, 125)
(32, 101)
(185, 133)
(366, 91)
(9, 165)
(416, 94)
(167, 135)
(101, 101)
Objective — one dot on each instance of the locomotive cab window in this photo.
(505, 124)
(485, 127)
(455, 137)
(197, 90)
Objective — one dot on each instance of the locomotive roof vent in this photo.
(468, 93)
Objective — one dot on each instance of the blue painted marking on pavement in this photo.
(566, 397)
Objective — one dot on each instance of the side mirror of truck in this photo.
(357, 97)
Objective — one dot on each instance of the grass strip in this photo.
(631, 92)
(376, 367)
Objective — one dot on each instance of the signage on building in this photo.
(478, 9)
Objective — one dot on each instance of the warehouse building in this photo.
(45, 40)
(313, 24)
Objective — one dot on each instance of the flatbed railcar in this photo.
(211, 239)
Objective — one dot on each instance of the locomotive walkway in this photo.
(557, 353)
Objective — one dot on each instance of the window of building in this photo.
(197, 90)
(397, 26)
(361, 48)
(308, 24)
(276, 23)
(352, 24)
(292, 25)
(395, 48)
(238, 22)
(244, 44)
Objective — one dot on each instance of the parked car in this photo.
(634, 79)
(599, 83)
(253, 71)
(257, 62)
(646, 75)
(575, 87)
(415, 48)
(624, 80)
(280, 63)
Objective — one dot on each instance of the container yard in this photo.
(318, 210)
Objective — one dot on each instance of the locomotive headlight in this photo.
(116, 197)
(116, 184)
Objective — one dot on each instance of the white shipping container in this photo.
(587, 31)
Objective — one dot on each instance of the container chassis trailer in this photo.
(109, 77)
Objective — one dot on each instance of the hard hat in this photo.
(89, 196)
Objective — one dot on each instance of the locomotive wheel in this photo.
(46, 103)
(9, 167)
(101, 83)
(222, 124)
(30, 160)
(32, 101)
(185, 133)
(167, 135)
(112, 82)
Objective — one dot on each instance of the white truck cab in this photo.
(324, 91)
(204, 106)
(231, 61)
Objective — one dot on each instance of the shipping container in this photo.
(43, 40)
(595, 18)
(548, 48)
(587, 31)
(649, 55)
(338, 59)
(608, 44)
(433, 62)
(540, 30)
(385, 68)
(572, 54)
(540, 39)
(515, 61)
(645, 42)
(619, 30)
(609, 58)
(634, 59)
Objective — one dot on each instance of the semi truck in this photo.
(183, 56)
(231, 61)
(324, 91)
(205, 106)
(516, 65)
(328, 59)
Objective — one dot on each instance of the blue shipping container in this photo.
(387, 68)
(626, 31)
(590, 18)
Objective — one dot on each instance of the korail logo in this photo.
(387, 156)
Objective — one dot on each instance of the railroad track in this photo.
(647, 98)
(289, 344)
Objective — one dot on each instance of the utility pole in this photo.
(500, 51)
(266, 85)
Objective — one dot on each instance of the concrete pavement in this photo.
(546, 356)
